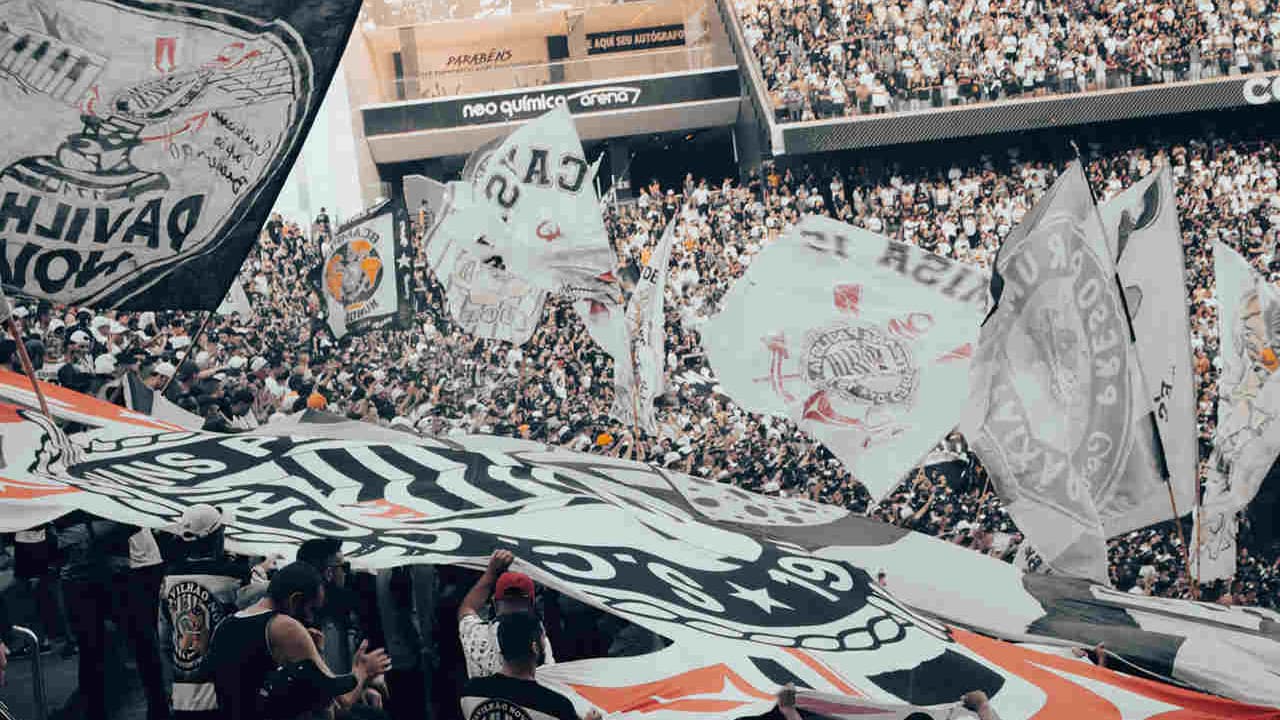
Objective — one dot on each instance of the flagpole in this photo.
(23, 357)
(187, 351)
(1162, 463)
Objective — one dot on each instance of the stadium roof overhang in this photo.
(441, 127)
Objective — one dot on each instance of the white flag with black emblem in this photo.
(863, 341)
(1142, 233)
(1058, 396)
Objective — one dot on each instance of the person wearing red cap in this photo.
(512, 592)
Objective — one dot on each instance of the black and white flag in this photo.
(365, 277)
(149, 139)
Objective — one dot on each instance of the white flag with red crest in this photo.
(863, 341)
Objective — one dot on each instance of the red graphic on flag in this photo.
(778, 354)
(912, 326)
(964, 352)
(847, 298)
(818, 409)
(166, 49)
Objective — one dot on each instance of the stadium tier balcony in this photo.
(843, 74)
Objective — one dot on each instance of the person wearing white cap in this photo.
(160, 374)
(203, 585)
(104, 364)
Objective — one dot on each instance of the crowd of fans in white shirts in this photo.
(246, 371)
(828, 58)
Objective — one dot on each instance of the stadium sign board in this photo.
(580, 98)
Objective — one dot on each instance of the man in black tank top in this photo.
(251, 645)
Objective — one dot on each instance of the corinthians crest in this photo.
(860, 363)
(148, 130)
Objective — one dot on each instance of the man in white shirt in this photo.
(513, 592)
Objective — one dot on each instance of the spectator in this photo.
(332, 616)
(406, 607)
(512, 592)
(513, 690)
(202, 586)
(96, 553)
(269, 643)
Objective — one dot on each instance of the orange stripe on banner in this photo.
(827, 674)
(61, 398)
(1068, 701)
(709, 689)
(15, 490)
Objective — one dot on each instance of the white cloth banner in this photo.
(1058, 396)
(538, 210)
(646, 329)
(1142, 234)
(1248, 436)
(483, 300)
(1214, 550)
(863, 341)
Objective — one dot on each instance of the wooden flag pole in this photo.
(187, 352)
(1158, 442)
(23, 357)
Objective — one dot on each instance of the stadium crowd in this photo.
(242, 372)
(828, 58)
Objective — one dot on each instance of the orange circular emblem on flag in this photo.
(353, 273)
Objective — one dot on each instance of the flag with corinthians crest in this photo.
(366, 277)
(862, 341)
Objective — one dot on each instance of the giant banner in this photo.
(752, 591)
(148, 140)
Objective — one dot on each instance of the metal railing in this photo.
(37, 671)
(754, 79)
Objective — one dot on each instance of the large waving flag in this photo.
(363, 278)
(863, 341)
(527, 205)
(153, 141)
(646, 328)
(1247, 439)
(1057, 396)
(484, 301)
(751, 591)
(1142, 234)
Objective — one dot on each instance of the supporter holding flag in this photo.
(513, 690)
(512, 592)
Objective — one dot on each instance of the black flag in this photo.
(150, 139)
